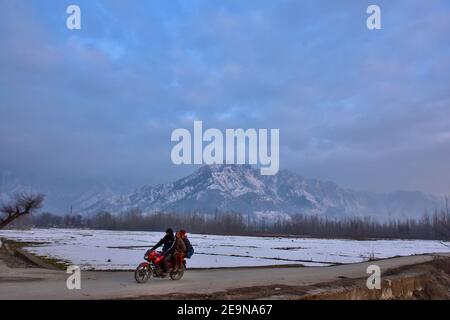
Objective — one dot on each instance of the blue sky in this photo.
(369, 110)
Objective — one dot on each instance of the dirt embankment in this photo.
(9, 256)
(419, 282)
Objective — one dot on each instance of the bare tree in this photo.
(22, 205)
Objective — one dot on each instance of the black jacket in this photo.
(166, 242)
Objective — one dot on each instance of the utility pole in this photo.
(446, 205)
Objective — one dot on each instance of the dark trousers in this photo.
(165, 262)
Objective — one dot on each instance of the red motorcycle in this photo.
(153, 267)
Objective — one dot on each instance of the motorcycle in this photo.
(153, 267)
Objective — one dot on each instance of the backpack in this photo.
(189, 248)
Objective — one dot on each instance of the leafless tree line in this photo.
(435, 226)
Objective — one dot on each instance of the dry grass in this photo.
(442, 264)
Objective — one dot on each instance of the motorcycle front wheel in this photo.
(142, 273)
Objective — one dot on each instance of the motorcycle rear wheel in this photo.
(142, 273)
(177, 275)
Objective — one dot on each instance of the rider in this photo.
(189, 248)
(176, 252)
(166, 241)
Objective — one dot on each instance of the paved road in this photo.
(35, 283)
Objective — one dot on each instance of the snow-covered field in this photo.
(124, 250)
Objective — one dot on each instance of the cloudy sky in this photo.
(369, 110)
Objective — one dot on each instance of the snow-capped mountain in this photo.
(241, 188)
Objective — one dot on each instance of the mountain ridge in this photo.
(240, 188)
